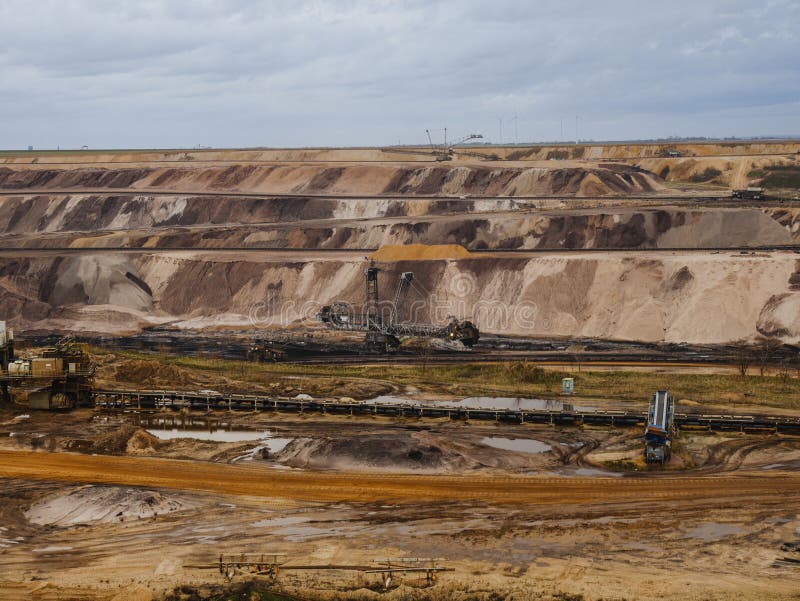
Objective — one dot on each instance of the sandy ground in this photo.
(93, 506)
(371, 487)
(595, 543)
(130, 514)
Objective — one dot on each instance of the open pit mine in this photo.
(569, 371)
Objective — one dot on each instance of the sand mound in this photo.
(103, 504)
(114, 442)
(152, 373)
(419, 252)
(142, 442)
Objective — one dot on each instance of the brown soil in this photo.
(419, 252)
(344, 487)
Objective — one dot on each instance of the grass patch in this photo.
(517, 379)
(782, 177)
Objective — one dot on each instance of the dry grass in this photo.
(515, 378)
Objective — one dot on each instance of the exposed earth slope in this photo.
(116, 242)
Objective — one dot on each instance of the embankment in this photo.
(652, 297)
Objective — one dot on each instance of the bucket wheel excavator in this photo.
(380, 321)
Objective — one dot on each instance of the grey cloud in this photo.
(244, 72)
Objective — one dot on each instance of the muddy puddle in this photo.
(265, 438)
(480, 402)
(520, 445)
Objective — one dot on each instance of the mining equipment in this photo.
(264, 351)
(381, 324)
(446, 151)
(6, 356)
(659, 428)
(748, 193)
(285, 348)
(60, 378)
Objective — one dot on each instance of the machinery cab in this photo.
(659, 428)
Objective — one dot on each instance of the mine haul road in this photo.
(260, 481)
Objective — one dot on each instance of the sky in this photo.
(247, 73)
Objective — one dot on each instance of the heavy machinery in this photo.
(659, 428)
(6, 356)
(65, 370)
(381, 322)
(751, 193)
(446, 151)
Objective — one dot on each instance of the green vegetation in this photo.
(782, 176)
(777, 176)
(519, 378)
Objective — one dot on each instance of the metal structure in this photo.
(751, 193)
(207, 401)
(385, 331)
(446, 151)
(6, 357)
(659, 428)
(62, 377)
(270, 565)
(388, 568)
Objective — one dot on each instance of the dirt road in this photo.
(367, 487)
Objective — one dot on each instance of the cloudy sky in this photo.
(239, 73)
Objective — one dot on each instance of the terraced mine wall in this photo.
(320, 244)
(484, 180)
(477, 224)
(674, 297)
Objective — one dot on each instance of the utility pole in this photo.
(561, 138)
(500, 120)
(576, 130)
(516, 136)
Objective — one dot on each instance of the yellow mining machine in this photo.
(61, 377)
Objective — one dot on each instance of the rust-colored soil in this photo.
(361, 487)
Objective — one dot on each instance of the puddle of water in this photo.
(394, 400)
(274, 444)
(488, 402)
(589, 472)
(521, 445)
(712, 531)
(212, 435)
(480, 402)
